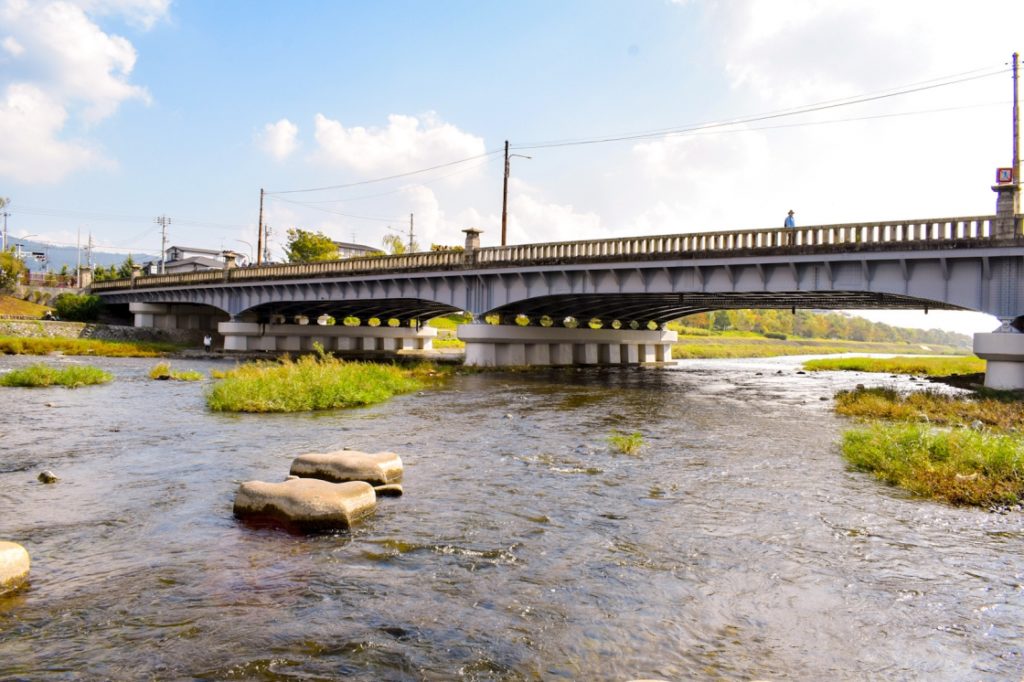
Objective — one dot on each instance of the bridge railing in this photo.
(362, 265)
(931, 230)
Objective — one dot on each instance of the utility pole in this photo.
(410, 233)
(6, 215)
(1016, 126)
(504, 193)
(163, 221)
(259, 236)
(504, 199)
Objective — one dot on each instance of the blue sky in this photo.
(116, 111)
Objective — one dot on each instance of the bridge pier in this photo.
(509, 345)
(248, 336)
(1003, 352)
(175, 316)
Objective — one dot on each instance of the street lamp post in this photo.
(242, 241)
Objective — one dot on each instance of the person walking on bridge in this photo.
(790, 220)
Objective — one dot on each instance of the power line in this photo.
(665, 132)
(390, 177)
(346, 215)
(399, 189)
(920, 86)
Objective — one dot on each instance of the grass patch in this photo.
(25, 345)
(626, 443)
(924, 366)
(1003, 413)
(447, 343)
(38, 376)
(960, 466)
(309, 383)
(163, 372)
(19, 308)
(749, 345)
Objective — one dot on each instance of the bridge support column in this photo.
(175, 316)
(510, 345)
(249, 336)
(1003, 352)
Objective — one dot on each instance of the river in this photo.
(734, 546)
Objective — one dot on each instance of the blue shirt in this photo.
(789, 222)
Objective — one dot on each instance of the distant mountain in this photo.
(56, 257)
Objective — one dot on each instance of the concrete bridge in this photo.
(603, 301)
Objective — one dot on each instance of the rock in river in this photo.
(306, 503)
(376, 468)
(14, 565)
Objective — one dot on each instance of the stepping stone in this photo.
(14, 566)
(376, 468)
(306, 504)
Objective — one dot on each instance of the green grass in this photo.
(36, 376)
(960, 466)
(24, 345)
(1003, 413)
(750, 345)
(447, 343)
(309, 383)
(163, 371)
(626, 443)
(923, 366)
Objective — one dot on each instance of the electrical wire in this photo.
(665, 132)
(389, 177)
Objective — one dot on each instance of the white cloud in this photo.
(406, 143)
(279, 139)
(69, 72)
(530, 216)
(142, 13)
(30, 122)
(12, 47)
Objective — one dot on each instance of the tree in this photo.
(78, 307)
(11, 268)
(720, 321)
(309, 247)
(125, 270)
(396, 247)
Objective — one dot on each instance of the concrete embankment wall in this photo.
(107, 332)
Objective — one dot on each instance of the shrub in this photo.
(78, 307)
(775, 335)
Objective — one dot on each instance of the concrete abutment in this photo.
(258, 336)
(1003, 352)
(509, 345)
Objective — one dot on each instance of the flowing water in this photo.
(734, 546)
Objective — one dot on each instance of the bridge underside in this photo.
(661, 308)
(403, 309)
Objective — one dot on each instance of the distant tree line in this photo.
(808, 324)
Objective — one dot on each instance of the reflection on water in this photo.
(735, 545)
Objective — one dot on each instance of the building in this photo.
(188, 259)
(350, 250)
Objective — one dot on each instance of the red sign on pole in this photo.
(1004, 176)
